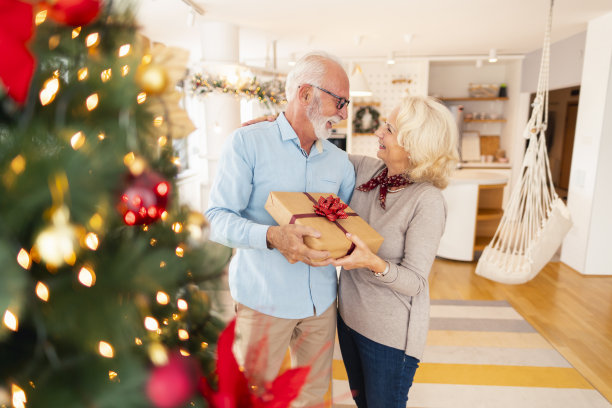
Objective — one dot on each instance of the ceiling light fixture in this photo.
(359, 85)
(391, 59)
(194, 6)
(191, 18)
(492, 55)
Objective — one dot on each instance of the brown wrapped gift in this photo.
(297, 208)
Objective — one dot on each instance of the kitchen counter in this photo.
(485, 165)
(474, 201)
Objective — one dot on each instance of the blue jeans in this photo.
(379, 376)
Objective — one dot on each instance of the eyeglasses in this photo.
(342, 102)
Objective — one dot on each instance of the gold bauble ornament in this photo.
(152, 78)
(197, 227)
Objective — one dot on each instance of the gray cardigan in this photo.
(394, 310)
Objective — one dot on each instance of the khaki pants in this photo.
(262, 340)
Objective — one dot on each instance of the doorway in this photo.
(562, 114)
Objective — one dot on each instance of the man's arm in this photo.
(230, 195)
(345, 192)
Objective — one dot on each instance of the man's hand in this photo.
(269, 118)
(289, 240)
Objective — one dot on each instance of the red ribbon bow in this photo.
(331, 208)
(17, 66)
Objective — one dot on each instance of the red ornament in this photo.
(17, 66)
(233, 388)
(145, 199)
(75, 12)
(331, 208)
(173, 384)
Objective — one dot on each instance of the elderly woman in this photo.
(383, 299)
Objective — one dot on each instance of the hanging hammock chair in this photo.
(535, 220)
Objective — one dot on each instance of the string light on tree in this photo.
(42, 291)
(87, 277)
(23, 259)
(10, 320)
(105, 349)
(19, 396)
(49, 90)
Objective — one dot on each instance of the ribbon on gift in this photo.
(324, 208)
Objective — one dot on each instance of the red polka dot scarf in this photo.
(399, 180)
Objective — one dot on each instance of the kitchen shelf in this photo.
(481, 242)
(492, 98)
(486, 120)
(489, 214)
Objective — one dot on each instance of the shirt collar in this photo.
(288, 133)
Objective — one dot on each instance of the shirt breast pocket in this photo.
(328, 185)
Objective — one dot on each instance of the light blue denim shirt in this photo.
(256, 160)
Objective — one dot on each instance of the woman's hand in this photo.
(269, 118)
(361, 257)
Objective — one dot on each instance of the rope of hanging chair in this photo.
(533, 197)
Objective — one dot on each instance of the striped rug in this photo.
(485, 354)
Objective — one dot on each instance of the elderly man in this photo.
(283, 300)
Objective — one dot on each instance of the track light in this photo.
(191, 18)
(391, 59)
(492, 55)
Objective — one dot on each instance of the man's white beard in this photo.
(319, 121)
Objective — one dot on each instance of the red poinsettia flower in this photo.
(233, 388)
(330, 208)
(17, 66)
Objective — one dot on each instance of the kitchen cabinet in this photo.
(474, 209)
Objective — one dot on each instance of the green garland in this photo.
(358, 124)
(268, 93)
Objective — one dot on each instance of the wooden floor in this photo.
(572, 311)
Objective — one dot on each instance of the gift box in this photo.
(327, 214)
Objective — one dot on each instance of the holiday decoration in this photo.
(172, 384)
(74, 12)
(56, 244)
(159, 76)
(233, 388)
(15, 30)
(153, 78)
(366, 120)
(145, 198)
(268, 93)
(90, 307)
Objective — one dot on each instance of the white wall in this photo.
(587, 246)
(566, 60)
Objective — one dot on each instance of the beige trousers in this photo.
(262, 340)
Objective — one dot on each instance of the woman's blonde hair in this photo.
(428, 132)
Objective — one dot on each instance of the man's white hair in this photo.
(310, 69)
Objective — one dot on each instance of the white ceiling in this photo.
(437, 27)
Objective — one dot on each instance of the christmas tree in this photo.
(102, 273)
